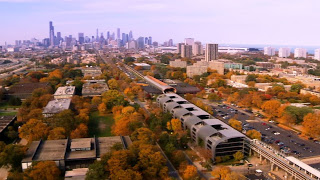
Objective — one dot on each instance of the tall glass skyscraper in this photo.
(51, 33)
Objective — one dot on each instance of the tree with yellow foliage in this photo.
(175, 126)
(235, 176)
(220, 172)
(235, 124)
(254, 134)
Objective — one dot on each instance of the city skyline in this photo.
(263, 22)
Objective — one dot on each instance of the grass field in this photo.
(8, 113)
(100, 126)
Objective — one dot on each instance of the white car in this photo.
(276, 133)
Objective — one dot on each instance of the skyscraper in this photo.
(51, 33)
(59, 38)
(186, 51)
(211, 52)
(97, 36)
(81, 38)
(118, 33)
(146, 40)
(140, 43)
(170, 43)
(124, 38)
(150, 40)
(108, 35)
(130, 36)
(189, 41)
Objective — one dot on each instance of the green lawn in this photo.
(100, 126)
(8, 113)
(6, 105)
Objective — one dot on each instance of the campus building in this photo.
(64, 92)
(212, 134)
(71, 153)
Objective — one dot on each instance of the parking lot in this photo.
(283, 140)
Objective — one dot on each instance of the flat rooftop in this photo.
(46, 150)
(81, 143)
(5, 121)
(65, 90)
(94, 88)
(56, 106)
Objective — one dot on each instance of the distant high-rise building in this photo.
(97, 35)
(317, 54)
(146, 40)
(59, 38)
(124, 38)
(197, 48)
(155, 44)
(113, 36)
(211, 52)
(300, 53)
(170, 43)
(284, 52)
(118, 33)
(51, 33)
(108, 35)
(270, 51)
(186, 51)
(150, 40)
(130, 36)
(179, 47)
(140, 43)
(81, 38)
(189, 41)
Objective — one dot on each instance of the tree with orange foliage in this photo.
(34, 130)
(220, 172)
(57, 133)
(102, 108)
(56, 73)
(43, 170)
(311, 124)
(271, 107)
(190, 173)
(80, 132)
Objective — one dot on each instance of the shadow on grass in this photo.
(100, 126)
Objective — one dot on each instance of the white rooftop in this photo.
(65, 90)
(141, 64)
(56, 106)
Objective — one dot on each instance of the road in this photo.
(292, 143)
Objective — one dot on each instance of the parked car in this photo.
(276, 133)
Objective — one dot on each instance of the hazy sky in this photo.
(283, 22)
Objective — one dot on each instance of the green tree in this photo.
(251, 77)
(11, 156)
(296, 87)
